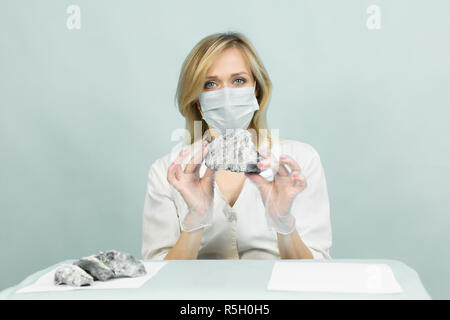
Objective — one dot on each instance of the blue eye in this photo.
(207, 83)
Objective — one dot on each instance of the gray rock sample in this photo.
(111, 264)
(95, 267)
(122, 264)
(233, 151)
(72, 275)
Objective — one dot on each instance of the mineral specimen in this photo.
(111, 264)
(72, 275)
(95, 267)
(122, 264)
(233, 151)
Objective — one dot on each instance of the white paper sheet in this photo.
(333, 277)
(45, 282)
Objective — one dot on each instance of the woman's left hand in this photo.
(279, 194)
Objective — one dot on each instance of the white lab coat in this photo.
(241, 231)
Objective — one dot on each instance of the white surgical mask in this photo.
(229, 108)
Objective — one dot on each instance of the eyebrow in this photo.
(233, 74)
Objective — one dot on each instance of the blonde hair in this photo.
(193, 75)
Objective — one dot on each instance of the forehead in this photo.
(230, 61)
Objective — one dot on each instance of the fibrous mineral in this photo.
(233, 151)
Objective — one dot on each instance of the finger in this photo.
(177, 162)
(199, 165)
(208, 178)
(268, 163)
(209, 174)
(271, 161)
(205, 150)
(171, 177)
(258, 180)
(196, 161)
(183, 153)
(299, 180)
(178, 170)
(282, 171)
(293, 165)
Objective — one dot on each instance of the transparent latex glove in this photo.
(279, 194)
(198, 193)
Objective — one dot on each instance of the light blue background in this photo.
(84, 113)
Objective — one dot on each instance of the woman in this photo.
(194, 212)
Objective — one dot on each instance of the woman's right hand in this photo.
(198, 193)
